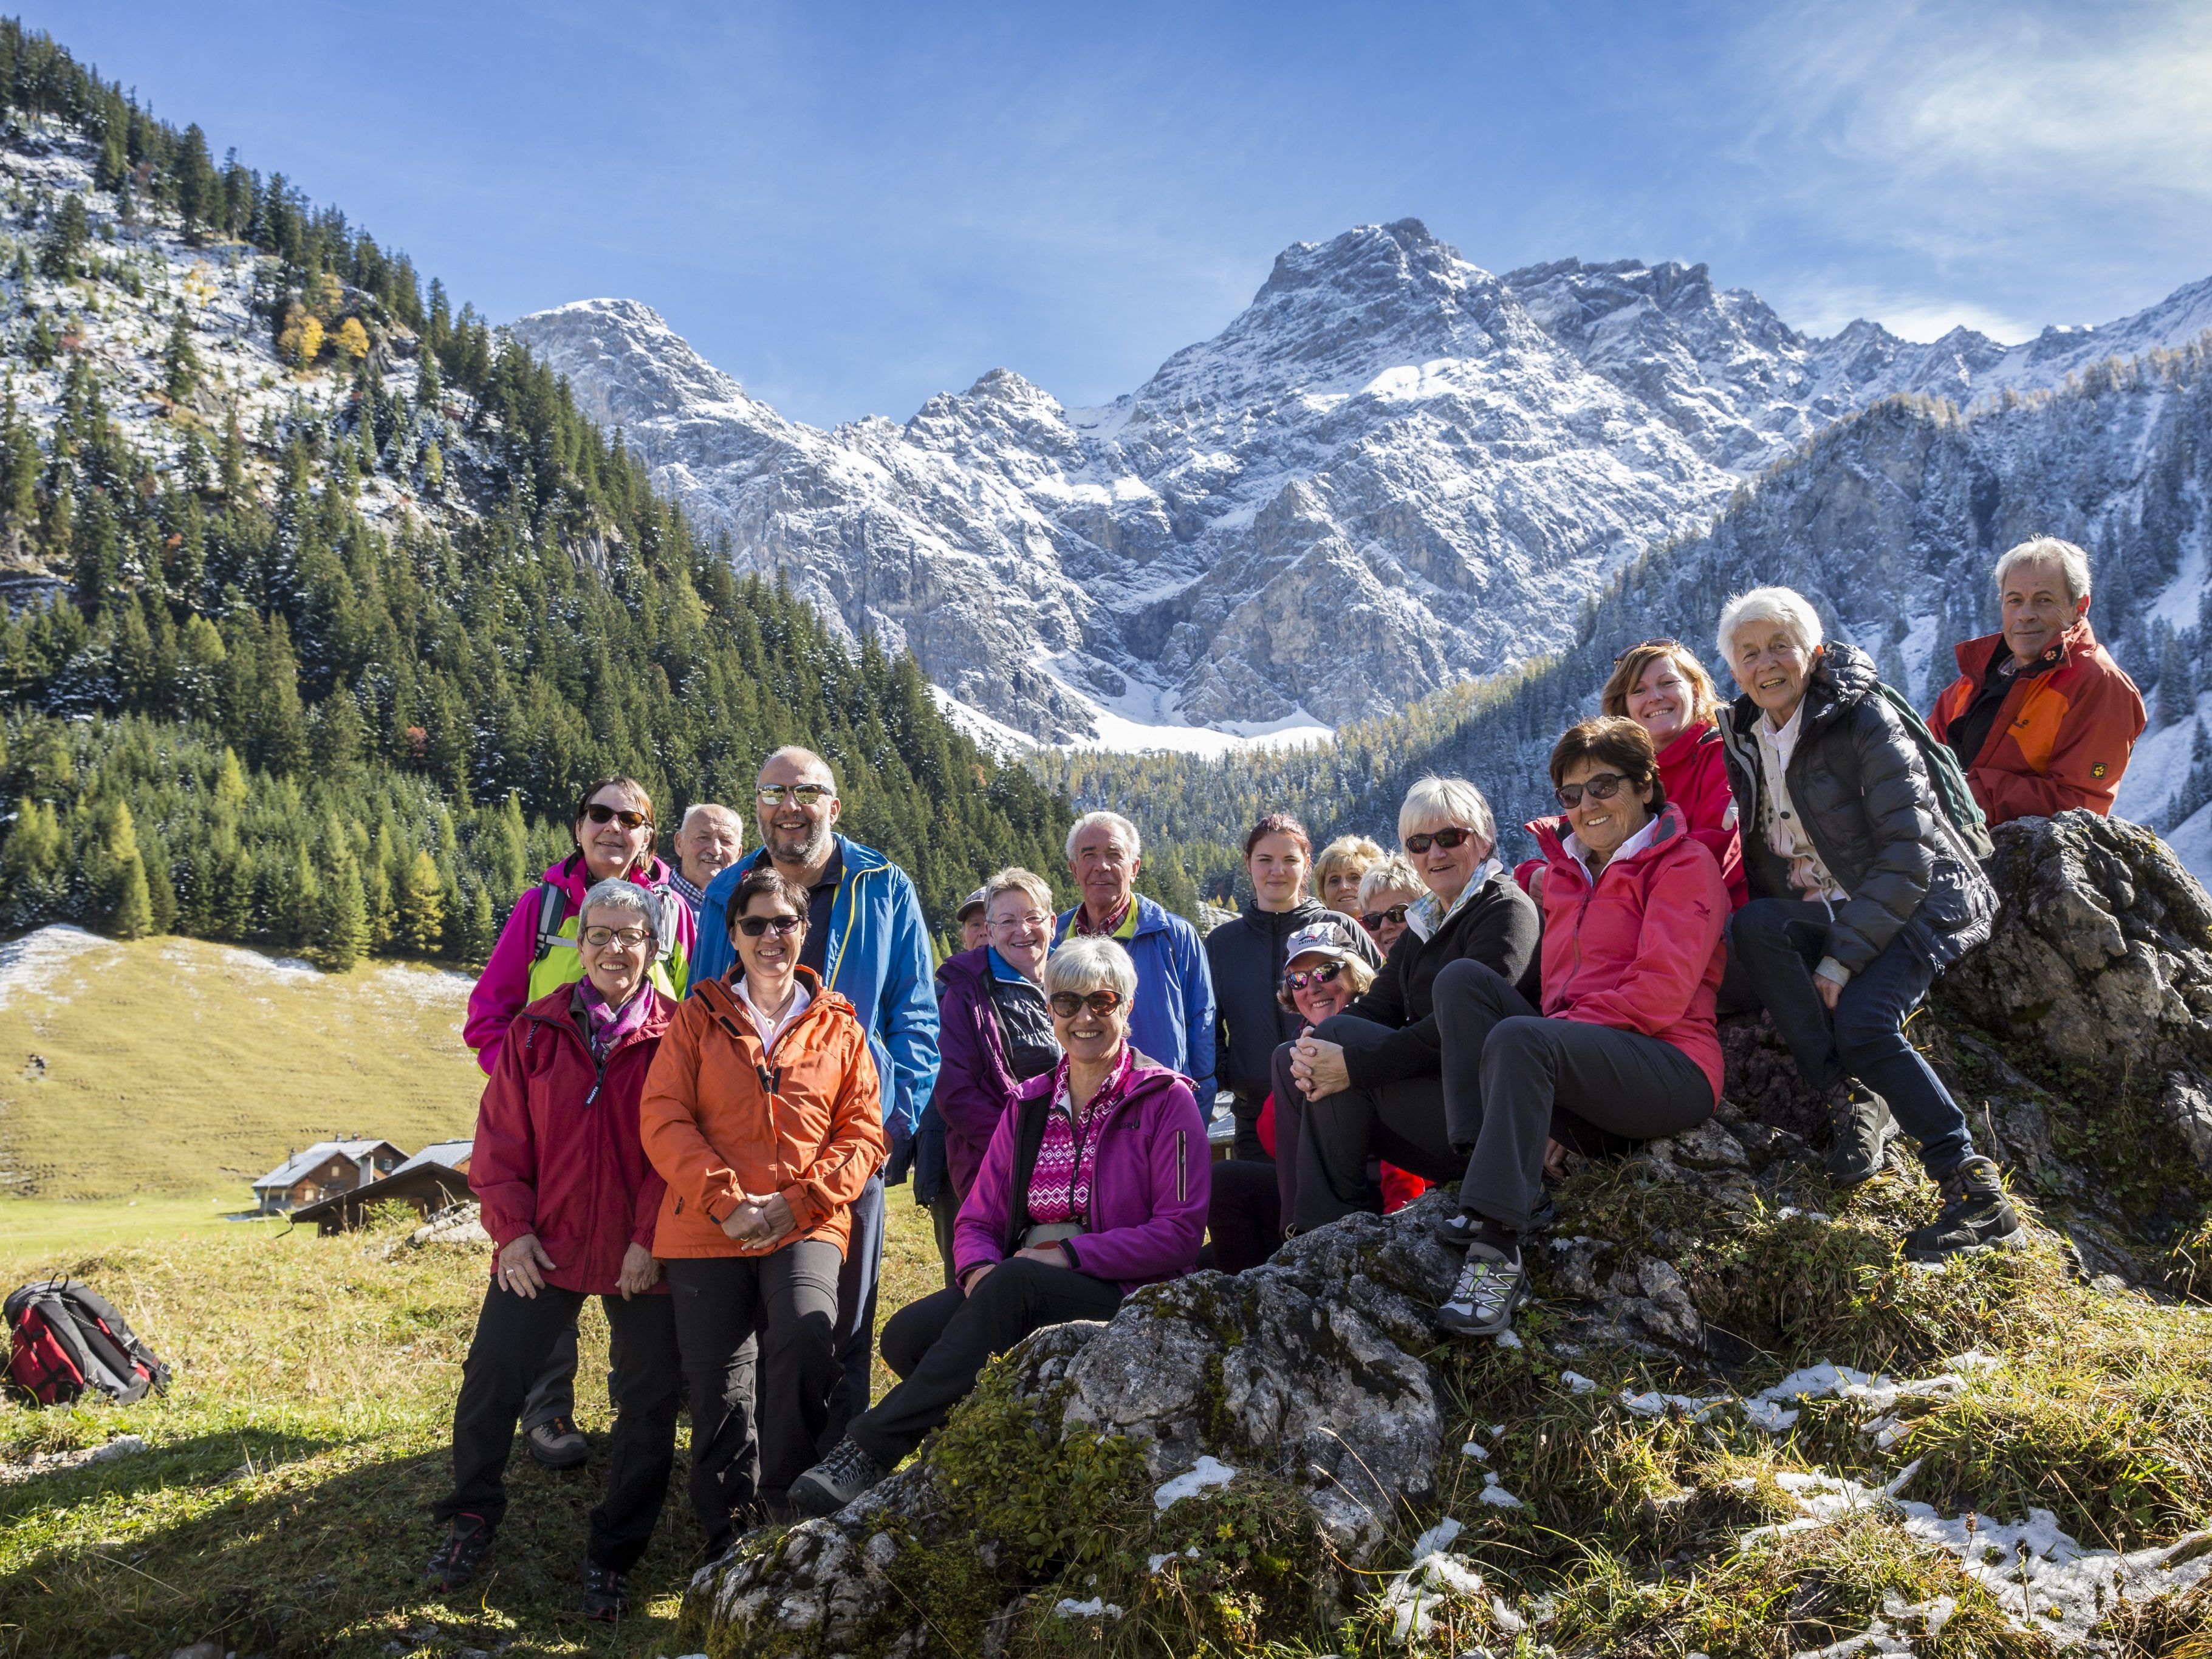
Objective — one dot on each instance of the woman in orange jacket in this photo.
(763, 1115)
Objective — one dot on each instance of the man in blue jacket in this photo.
(866, 939)
(1172, 1018)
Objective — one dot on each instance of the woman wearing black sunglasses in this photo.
(1095, 1184)
(1371, 1077)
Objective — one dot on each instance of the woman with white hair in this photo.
(1861, 891)
(1095, 1185)
(1370, 1078)
(1387, 892)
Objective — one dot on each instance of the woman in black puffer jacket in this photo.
(1861, 893)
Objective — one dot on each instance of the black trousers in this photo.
(1778, 942)
(857, 1282)
(513, 1335)
(1507, 1069)
(1342, 1135)
(1246, 1113)
(554, 1394)
(944, 1211)
(1244, 1217)
(748, 1440)
(939, 1345)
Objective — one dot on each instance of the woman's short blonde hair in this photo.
(1704, 696)
(1433, 802)
(1357, 851)
(1015, 879)
(1395, 874)
(1091, 964)
(1785, 605)
(1356, 974)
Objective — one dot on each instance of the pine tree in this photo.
(234, 455)
(67, 234)
(421, 907)
(342, 938)
(180, 362)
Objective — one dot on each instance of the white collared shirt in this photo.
(1785, 826)
(1635, 844)
(772, 1026)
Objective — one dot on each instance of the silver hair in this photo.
(2070, 560)
(1015, 879)
(1396, 874)
(616, 893)
(699, 806)
(1091, 964)
(1114, 821)
(1786, 606)
(1435, 802)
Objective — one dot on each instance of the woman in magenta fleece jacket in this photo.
(1094, 1185)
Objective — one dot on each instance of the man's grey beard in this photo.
(814, 850)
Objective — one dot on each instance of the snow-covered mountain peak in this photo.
(627, 366)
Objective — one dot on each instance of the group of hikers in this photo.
(700, 1076)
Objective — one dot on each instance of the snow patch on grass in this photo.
(32, 962)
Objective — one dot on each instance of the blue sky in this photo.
(853, 207)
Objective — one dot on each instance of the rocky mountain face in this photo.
(1392, 471)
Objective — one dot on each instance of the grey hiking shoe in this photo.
(1489, 1289)
(1859, 1121)
(557, 1443)
(1976, 1216)
(836, 1480)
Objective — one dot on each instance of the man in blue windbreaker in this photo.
(866, 939)
(1172, 1018)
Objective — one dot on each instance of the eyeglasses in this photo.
(1375, 919)
(1067, 1003)
(598, 812)
(800, 794)
(754, 926)
(1324, 974)
(629, 938)
(1645, 644)
(1447, 839)
(1034, 919)
(1603, 786)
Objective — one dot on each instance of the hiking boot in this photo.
(557, 1443)
(1976, 1216)
(454, 1562)
(1861, 1128)
(606, 1592)
(836, 1480)
(1491, 1288)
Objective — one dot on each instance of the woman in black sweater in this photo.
(1368, 1083)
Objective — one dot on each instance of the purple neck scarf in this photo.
(605, 1025)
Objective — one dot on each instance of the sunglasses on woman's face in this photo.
(599, 812)
(1602, 786)
(1324, 974)
(1067, 1003)
(1375, 919)
(754, 926)
(1447, 839)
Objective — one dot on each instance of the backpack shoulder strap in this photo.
(1953, 793)
(551, 902)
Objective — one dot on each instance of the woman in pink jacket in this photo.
(1633, 911)
(1095, 1184)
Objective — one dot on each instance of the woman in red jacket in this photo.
(1662, 687)
(571, 1204)
(1633, 913)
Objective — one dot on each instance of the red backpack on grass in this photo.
(65, 1339)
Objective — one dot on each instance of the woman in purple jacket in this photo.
(993, 1034)
(1094, 1185)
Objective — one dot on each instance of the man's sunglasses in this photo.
(803, 794)
(1324, 974)
(1067, 1003)
(754, 926)
(1643, 644)
(599, 812)
(1603, 786)
(1375, 919)
(1447, 839)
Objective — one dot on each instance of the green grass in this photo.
(284, 1507)
(173, 1068)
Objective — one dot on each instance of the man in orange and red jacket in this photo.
(2040, 717)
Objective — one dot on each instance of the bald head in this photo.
(797, 806)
